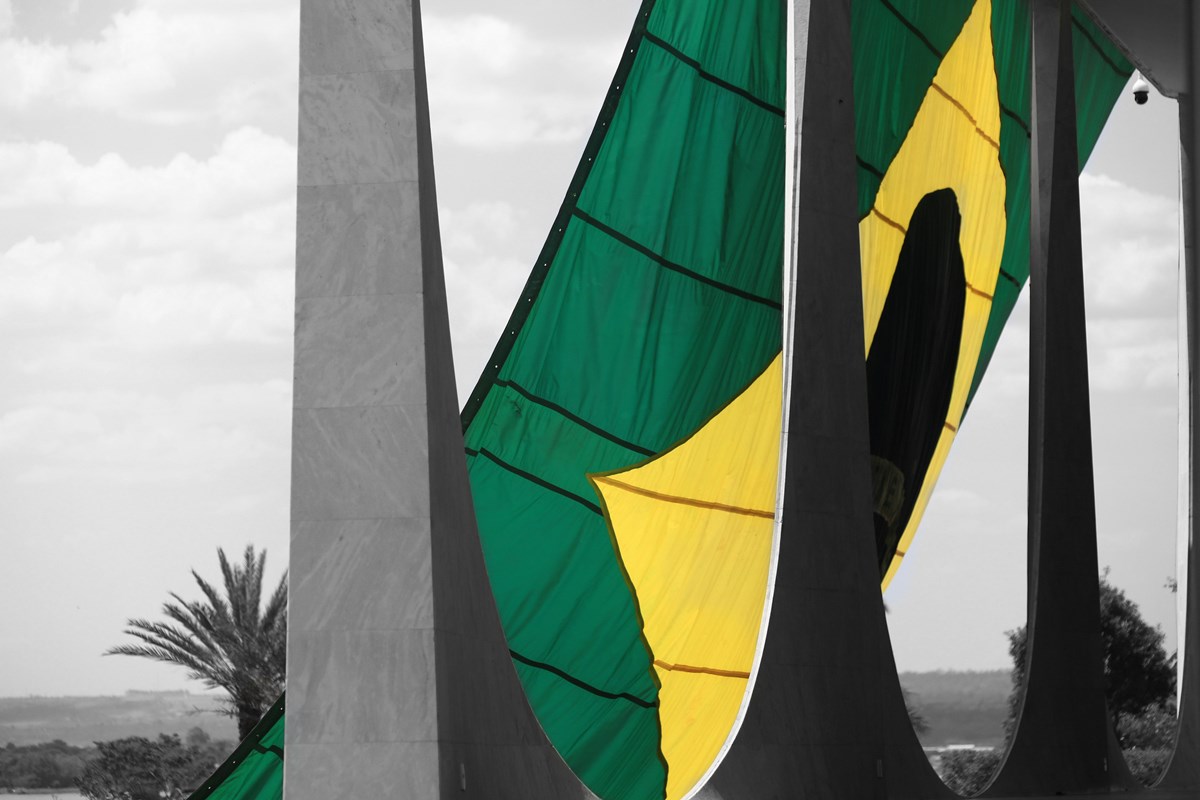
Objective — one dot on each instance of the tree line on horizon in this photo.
(130, 768)
(50, 765)
(229, 642)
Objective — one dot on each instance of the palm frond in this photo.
(226, 640)
(276, 610)
(252, 584)
(219, 607)
(232, 589)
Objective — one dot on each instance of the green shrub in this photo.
(1152, 729)
(1147, 765)
(968, 771)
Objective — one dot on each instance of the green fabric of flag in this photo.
(655, 300)
(255, 769)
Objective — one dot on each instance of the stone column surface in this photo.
(827, 719)
(1063, 742)
(399, 680)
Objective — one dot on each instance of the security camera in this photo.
(1141, 91)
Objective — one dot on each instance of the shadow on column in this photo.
(491, 743)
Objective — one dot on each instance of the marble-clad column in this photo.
(399, 680)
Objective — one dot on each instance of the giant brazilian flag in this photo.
(624, 440)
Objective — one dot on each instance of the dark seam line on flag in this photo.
(979, 292)
(889, 221)
(950, 427)
(708, 76)
(585, 686)
(580, 421)
(1096, 46)
(1015, 117)
(534, 479)
(720, 673)
(687, 501)
(276, 749)
(913, 28)
(870, 168)
(662, 262)
(954, 101)
(1010, 279)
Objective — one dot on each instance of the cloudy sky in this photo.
(147, 221)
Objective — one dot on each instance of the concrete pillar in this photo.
(399, 679)
(826, 696)
(1062, 739)
(1184, 769)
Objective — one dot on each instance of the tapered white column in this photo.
(399, 679)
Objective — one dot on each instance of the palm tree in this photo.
(226, 642)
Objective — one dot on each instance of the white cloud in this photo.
(248, 168)
(1133, 355)
(492, 84)
(190, 253)
(484, 278)
(122, 338)
(132, 438)
(168, 62)
(1131, 278)
(165, 62)
(6, 17)
(1131, 249)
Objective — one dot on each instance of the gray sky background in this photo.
(147, 224)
